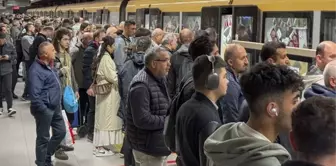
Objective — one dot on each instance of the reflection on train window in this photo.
(226, 32)
(329, 31)
(292, 32)
(89, 17)
(153, 22)
(131, 16)
(114, 18)
(244, 28)
(147, 21)
(191, 22)
(171, 24)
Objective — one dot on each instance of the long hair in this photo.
(58, 37)
(107, 41)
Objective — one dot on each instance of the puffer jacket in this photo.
(319, 90)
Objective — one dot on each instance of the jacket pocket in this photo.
(155, 144)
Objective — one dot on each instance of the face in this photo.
(130, 30)
(159, 37)
(31, 28)
(223, 83)
(239, 62)
(101, 36)
(65, 41)
(162, 64)
(215, 50)
(328, 56)
(281, 57)
(2, 42)
(4, 29)
(50, 34)
(289, 103)
(273, 34)
(112, 31)
(173, 44)
(50, 52)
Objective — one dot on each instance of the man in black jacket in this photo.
(46, 32)
(195, 114)
(148, 101)
(180, 61)
(7, 55)
(89, 53)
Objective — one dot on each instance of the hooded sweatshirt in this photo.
(236, 144)
(319, 90)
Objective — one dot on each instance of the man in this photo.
(77, 62)
(157, 36)
(15, 30)
(26, 41)
(148, 101)
(89, 53)
(124, 44)
(7, 55)
(272, 92)
(169, 43)
(142, 32)
(179, 61)
(45, 94)
(329, 90)
(313, 132)
(112, 31)
(4, 29)
(235, 57)
(274, 53)
(46, 32)
(77, 25)
(325, 52)
(195, 114)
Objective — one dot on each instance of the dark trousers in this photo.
(84, 106)
(25, 92)
(46, 147)
(14, 78)
(91, 115)
(128, 154)
(6, 89)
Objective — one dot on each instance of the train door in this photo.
(140, 17)
(98, 18)
(246, 24)
(328, 26)
(154, 20)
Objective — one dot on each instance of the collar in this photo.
(158, 79)
(201, 97)
(51, 64)
(41, 34)
(230, 71)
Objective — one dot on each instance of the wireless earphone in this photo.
(213, 79)
(275, 111)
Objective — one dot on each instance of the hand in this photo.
(77, 95)
(5, 57)
(64, 70)
(90, 92)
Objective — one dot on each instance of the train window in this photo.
(147, 21)
(244, 28)
(191, 21)
(114, 18)
(328, 26)
(226, 32)
(153, 22)
(89, 17)
(292, 28)
(130, 16)
(171, 22)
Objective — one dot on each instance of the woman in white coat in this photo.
(108, 125)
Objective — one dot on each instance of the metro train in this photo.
(297, 23)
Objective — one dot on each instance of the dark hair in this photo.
(212, 34)
(269, 50)
(107, 41)
(76, 19)
(143, 43)
(27, 26)
(314, 127)
(83, 26)
(267, 81)
(129, 22)
(66, 21)
(142, 32)
(119, 32)
(202, 68)
(201, 46)
(97, 33)
(107, 26)
(58, 37)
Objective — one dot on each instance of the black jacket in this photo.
(89, 53)
(299, 163)
(148, 102)
(127, 72)
(181, 64)
(192, 117)
(33, 49)
(6, 65)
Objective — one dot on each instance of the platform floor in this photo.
(17, 141)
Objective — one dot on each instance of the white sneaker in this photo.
(11, 112)
(104, 153)
(1, 111)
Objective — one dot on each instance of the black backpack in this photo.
(169, 130)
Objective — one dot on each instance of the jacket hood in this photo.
(229, 145)
(183, 51)
(319, 90)
(310, 79)
(139, 58)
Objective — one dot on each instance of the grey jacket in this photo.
(6, 65)
(26, 42)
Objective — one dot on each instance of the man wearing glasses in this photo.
(148, 101)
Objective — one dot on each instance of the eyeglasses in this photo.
(162, 60)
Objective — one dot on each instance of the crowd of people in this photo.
(147, 94)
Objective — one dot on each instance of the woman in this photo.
(108, 125)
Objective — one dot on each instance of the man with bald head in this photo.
(181, 62)
(235, 57)
(329, 90)
(45, 106)
(112, 31)
(157, 36)
(77, 63)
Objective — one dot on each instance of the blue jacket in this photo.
(319, 90)
(231, 102)
(44, 87)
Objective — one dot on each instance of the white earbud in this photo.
(275, 111)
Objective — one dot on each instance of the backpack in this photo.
(169, 130)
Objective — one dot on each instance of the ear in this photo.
(332, 82)
(292, 140)
(269, 108)
(270, 60)
(230, 62)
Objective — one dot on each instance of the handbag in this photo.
(101, 89)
